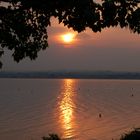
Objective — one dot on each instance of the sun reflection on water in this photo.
(66, 107)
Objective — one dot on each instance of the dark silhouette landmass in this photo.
(72, 75)
(23, 24)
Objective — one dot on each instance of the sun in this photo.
(68, 37)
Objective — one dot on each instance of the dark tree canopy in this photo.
(23, 23)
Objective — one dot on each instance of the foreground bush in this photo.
(51, 137)
(133, 135)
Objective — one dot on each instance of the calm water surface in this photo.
(74, 109)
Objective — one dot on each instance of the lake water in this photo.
(75, 109)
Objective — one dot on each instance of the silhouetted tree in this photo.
(23, 23)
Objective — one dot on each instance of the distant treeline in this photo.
(74, 75)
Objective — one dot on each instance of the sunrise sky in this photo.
(113, 49)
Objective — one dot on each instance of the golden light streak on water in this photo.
(66, 108)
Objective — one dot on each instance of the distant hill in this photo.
(73, 74)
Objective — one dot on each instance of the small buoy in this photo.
(132, 95)
(100, 115)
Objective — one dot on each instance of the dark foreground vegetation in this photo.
(23, 24)
(133, 135)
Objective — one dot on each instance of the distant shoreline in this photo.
(72, 75)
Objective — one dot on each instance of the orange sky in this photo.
(113, 49)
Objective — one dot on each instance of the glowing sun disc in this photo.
(68, 37)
